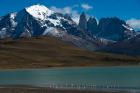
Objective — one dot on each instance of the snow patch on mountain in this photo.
(12, 19)
(3, 33)
(53, 32)
(13, 15)
(128, 27)
(26, 34)
(39, 11)
(54, 21)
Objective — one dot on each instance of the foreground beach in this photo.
(30, 89)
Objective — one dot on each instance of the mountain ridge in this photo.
(38, 20)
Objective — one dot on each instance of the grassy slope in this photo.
(48, 52)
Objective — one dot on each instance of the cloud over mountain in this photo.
(86, 6)
(72, 11)
(69, 10)
(135, 23)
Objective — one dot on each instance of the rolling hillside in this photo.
(43, 52)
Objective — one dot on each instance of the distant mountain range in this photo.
(109, 34)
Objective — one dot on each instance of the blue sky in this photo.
(124, 9)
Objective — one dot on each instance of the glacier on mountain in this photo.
(40, 12)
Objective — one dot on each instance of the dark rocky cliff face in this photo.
(82, 22)
(108, 28)
(111, 28)
(92, 26)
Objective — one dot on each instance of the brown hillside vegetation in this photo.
(46, 52)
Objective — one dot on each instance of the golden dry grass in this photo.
(46, 52)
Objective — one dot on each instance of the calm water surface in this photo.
(119, 76)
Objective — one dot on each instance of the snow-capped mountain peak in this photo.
(39, 11)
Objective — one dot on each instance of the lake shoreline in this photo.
(69, 67)
(31, 89)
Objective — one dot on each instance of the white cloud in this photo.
(86, 6)
(75, 6)
(59, 10)
(68, 10)
(135, 23)
(75, 16)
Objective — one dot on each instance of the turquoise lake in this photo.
(100, 76)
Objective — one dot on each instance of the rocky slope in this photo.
(129, 46)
